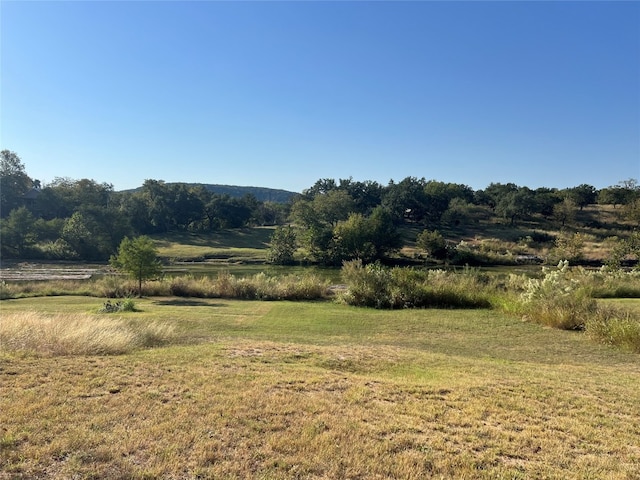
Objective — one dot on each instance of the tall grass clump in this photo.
(116, 286)
(46, 288)
(78, 334)
(375, 286)
(559, 299)
(6, 291)
(613, 283)
(615, 326)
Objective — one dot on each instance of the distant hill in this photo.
(263, 194)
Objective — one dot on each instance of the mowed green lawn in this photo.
(282, 390)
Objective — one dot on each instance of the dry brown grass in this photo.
(318, 391)
(77, 334)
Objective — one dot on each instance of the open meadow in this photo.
(230, 389)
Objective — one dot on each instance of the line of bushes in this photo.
(224, 285)
(561, 297)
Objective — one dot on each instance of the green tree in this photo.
(515, 205)
(77, 233)
(333, 206)
(406, 200)
(18, 231)
(366, 195)
(433, 244)
(282, 246)
(565, 211)
(494, 193)
(568, 247)
(627, 249)
(64, 196)
(352, 239)
(14, 182)
(138, 258)
(583, 195)
(384, 234)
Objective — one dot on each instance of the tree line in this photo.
(329, 222)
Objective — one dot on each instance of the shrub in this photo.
(369, 285)
(188, 286)
(557, 299)
(614, 326)
(6, 291)
(126, 305)
(379, 287)
(115, 286)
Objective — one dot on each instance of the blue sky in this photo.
(281, 94)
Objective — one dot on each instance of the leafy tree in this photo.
(352, 239)
(495, 192)
(544, 200)
(433, 244)
(157, 199)
(14, 182)
(406, 200)
(439, 196)
(64, 196)
(632, 211)
(78, 234)
(628, 248)
(459, 211)
(515, 204)
(223, 211)
(366, 195)
(134, 207)
(282, 246)
(18, 231)
(366, 238)
(384, 234)
(614, 195)
(138, 258)
(333, 206)
(271, 213)
(565, 211)
(186, 207)
(321, 187)
(569, 247)
(582, 195)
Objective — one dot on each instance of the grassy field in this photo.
(247, 244)
(282, 390)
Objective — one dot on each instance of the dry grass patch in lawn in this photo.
(283, 390)
(78, 334)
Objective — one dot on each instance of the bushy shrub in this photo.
(558, 299)
(376, 286)
(614, 326)
(6, 291)
(125, 305)
(617, 283)
(189, 286)
(369, 285)
(115, 286)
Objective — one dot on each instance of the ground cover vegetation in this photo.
(218, 388)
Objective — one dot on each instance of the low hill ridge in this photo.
(262, 194)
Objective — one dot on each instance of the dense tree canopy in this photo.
(14, 182)
(331, 221)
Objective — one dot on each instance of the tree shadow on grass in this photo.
(188, 303)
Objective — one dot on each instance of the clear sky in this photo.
(281, 94)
